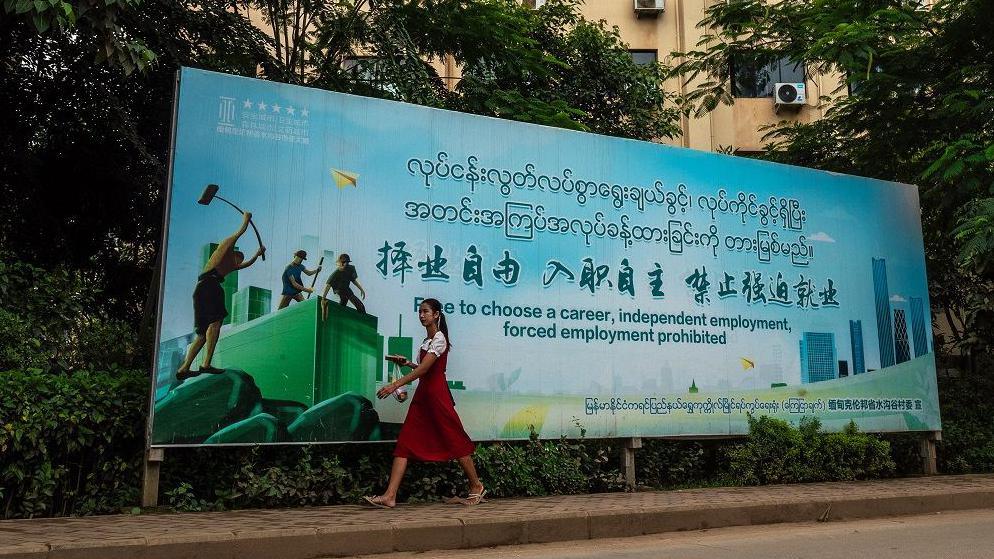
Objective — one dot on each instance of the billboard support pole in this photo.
(152, 458)
(926, 451)
(628, 460)
(150, 476)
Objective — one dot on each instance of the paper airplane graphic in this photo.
(747, 364)
(345, 178)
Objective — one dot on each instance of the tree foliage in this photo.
(84, 147)
(93, 24)
(921, 113)
(49, 322)
(548, 66)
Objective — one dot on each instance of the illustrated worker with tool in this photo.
(208, 300)
(293, 285)
(339, 283)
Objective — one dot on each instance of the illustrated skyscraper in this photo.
(918, 331)
(901, 349)
(249, 303)
(818, 357)
(777, 367)
(881, 295)
(856, 339)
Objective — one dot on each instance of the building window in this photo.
(643, 56)
(750, 80)
(364, 68)
(533, 4)
(856, 82)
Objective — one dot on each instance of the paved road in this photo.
(960, 535)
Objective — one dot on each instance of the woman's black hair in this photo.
(436, 306)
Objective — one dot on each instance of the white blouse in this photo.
(435, 344)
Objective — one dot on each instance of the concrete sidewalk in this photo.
(351, 530)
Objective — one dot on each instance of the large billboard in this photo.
(591, 284)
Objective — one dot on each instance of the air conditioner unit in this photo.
(649, 8)
(789, 95)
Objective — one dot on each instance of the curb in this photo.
(422, 532)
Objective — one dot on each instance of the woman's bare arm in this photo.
(419, 371)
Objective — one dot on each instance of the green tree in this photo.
(922, 113)
(48, 321)
(93, 24)
(584, 66)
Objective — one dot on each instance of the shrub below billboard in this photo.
(591, 284)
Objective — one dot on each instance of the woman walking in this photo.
(432, 431)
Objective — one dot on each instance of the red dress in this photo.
(432, 431)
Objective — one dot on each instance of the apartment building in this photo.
(654, 29)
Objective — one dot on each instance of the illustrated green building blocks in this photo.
(289, 376)
(399, 345)
(171, 354)
(294, 355)
(250, 303)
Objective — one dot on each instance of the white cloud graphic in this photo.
(822, 237)
(895, 298)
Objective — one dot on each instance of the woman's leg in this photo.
(475, 487)
(389, 497)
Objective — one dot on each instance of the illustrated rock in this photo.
(204, 405)
(260, 428)
(347, 417)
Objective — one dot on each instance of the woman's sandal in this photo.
(475, 498)
(372, 501)
(471, 499)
